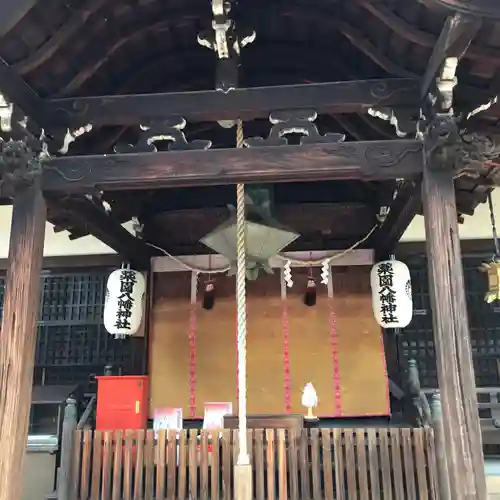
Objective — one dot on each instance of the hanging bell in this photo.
(208, 296)
(310, 295)
(492, 268)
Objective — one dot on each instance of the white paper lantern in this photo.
(391, 294)
(124, 304)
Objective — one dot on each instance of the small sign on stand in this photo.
(167, 418)
(214, 417)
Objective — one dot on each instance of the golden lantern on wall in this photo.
(492, 268)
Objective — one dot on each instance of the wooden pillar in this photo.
(462, 434)
(18, 334)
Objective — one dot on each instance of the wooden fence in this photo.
(317, 464)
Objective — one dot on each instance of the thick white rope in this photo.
(243, 457)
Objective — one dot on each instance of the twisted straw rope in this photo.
(243, 457)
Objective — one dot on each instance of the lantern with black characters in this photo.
(391, 294)
(123, 309)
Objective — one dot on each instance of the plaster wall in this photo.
(56, 244)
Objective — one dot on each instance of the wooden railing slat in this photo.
(86, 465)
(193, 463)
(409, 467)
(226, 464)
(161, 464)
(282, 465)
(215, 469)
(77, 464)
(373, 463)
(139, 464)
(315, 464)
(420, 465)
(328, 468)
(339, 464)
(182, 477)
(117, 452)
(305, 487)
(96, 466)
(431, 464)
(270, 455)
(397, 469)
(127, 465)
(171, 463)
(293, 463)
(107, 457)
(350, 464)
(258, 464)
(385, 464)
(149, 465)
(203, 464)
(364, 490)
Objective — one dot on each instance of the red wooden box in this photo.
(122, 403)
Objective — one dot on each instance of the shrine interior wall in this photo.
(336, 345)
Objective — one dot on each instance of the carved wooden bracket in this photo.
(288, 123)
(467, 153)
(19, 166)
(169, 130)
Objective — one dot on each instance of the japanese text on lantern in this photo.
(125, 299)
(386, 293)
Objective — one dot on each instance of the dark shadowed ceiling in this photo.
(97, 47)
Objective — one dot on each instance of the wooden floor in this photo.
(386, 464)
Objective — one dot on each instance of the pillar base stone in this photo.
(243, 482)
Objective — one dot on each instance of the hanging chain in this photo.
(243, 457)
(493, 227)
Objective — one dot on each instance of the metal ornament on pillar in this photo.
(124, 305)
(391, 294)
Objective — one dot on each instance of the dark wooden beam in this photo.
(402, 212)
(72, 263)
(18, 338)
(462, 433)
(249, 103)
(103, 227)
(355, 160)
(469, 248)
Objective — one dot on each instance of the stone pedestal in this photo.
(243, 482)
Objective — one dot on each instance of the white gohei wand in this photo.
(309, 400)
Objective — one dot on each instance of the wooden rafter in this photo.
(457, 34)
